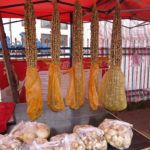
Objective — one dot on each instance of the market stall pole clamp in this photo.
(112, 94)
(33, 82)
(94, 71)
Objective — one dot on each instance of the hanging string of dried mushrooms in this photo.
(55, 100)
(33, 82)
(112, 87)
(93, 79)
(76, 89)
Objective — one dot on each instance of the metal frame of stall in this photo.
(10, 75)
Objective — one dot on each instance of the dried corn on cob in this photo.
(76, 90)
(55, 100)
(33, 82)
(93, 79)
(112, 87)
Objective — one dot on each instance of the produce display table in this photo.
(61, 122)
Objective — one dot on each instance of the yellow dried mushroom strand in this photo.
(55, 35)
(116, 41)
(30, 33)
(94, 35)
(77, 33)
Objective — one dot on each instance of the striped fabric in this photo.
(136, 56)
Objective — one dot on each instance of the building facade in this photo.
(16, 31)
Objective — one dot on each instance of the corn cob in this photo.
(112, 87)
(55, 35)
(93, 78)
(116, 40)
(30, 33)
(94, 35)
(33, 82)
(55, 100)
(76, 90)
(77, 33)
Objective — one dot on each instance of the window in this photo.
(63, 26)
(64, 41)
(45, 24)
(45, 39)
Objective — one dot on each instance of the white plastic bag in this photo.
(45, 146)
(92, 137)
(117, 133)
(29, 131)
(69, 142)
(9, 142)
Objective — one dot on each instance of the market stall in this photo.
(97, 129)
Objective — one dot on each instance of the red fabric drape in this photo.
(6, 110)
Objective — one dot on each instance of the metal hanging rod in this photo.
(13, 22)
(5, 12)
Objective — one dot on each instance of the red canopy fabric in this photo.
(130, 9)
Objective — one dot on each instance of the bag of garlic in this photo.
(9, 142)
(45, 146)
(92, 137)
(29, 131)
(117, 133)
(69, 142)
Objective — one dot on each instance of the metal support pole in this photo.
(71, 58)
(7, 62)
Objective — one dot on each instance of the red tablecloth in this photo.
(6, 110)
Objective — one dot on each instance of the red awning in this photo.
(130, 9)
